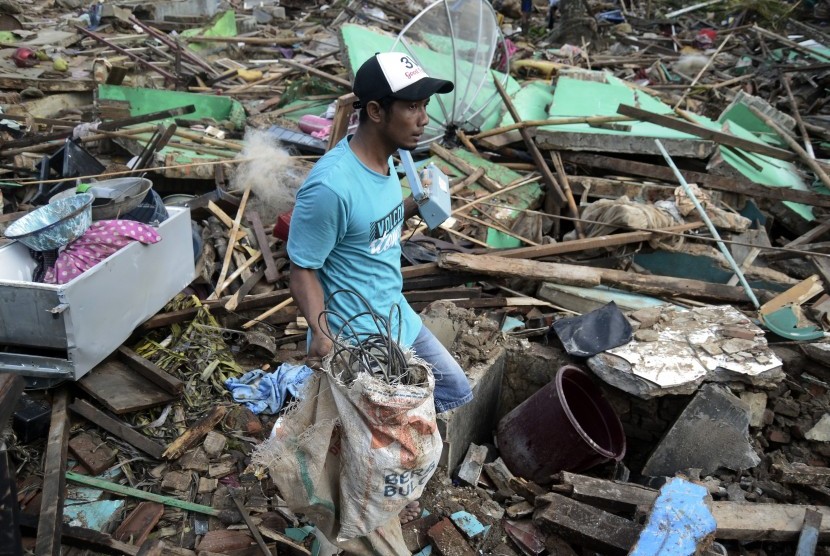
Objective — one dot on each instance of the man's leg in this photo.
(452, 389)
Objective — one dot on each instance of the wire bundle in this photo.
(376, 353)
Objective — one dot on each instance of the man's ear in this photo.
(374, 111)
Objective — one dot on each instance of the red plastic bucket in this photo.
(282, 225)
(566, 426)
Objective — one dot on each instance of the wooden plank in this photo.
(271, 272)
(563, 193)
(622, 238)
(18, 83)
(81, 537)
(486, 181)
(216, 308)
(585, 276)
(746, 521)
(151, 371)
(11, 386)
(706, 133)
(137, 526)
(585, 525)
(805, 157)
(737, 184)
(612, 496)
(121, 390)
(801, 474)
(249, 522)
(119, 429)
(54, 481)
(447, 293)
(195, 433)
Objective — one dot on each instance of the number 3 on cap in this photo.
(407, 62)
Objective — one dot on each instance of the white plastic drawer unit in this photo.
(50, 333)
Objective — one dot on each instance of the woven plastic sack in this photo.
(351, 456)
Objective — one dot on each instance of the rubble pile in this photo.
(635, 270)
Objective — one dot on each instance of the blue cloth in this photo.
(679, 520)
(346, 225)
(266, 392)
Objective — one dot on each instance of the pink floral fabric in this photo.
(101, 240)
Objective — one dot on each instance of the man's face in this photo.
(404, 123)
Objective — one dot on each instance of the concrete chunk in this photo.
(470, 469)
(821, 431)
(709, 434)
(757, 402)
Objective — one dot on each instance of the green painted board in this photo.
(696, 267)
(773, 173)
(145, 101)
(575, 97)
(223, 26)
(531, 102)
(363, 42)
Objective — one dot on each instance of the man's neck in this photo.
(371, 151)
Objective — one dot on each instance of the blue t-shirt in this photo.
(346, 225)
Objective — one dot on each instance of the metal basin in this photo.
(53, 225)
(113, 198)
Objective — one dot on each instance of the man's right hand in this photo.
(319, 348)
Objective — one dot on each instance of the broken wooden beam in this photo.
(140, 522)
(747, 521)
(11, 386)
(54, 491)
(272, 274)
(553, 186)
(195, 433)
(612, 496)
(117, 428)
(151, 371)
(811, 162)
(801, 474)
(585, 276)
(585, 525)
(737, 184)
(81, 537)
(234, 493)
(216, 307)
(704, 132)
(486, 181)
(597, 242)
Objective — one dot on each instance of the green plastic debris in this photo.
(784, 322)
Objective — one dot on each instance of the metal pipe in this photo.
(735, 268)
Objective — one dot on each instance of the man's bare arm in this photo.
(308, 295)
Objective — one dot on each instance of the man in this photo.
(346, 225)
(527, 9)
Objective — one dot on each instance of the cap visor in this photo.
(424, 88)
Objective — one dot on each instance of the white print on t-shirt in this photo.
(386, 242)
(386, 232)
